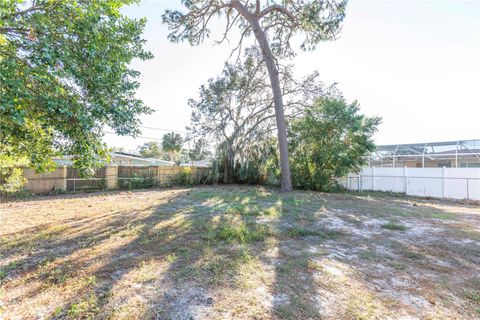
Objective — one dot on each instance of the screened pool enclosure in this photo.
(450, 154)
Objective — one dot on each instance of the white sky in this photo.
(414, 63)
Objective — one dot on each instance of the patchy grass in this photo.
(394, 226)
(238, 252)
(85, 308)
(238, 231)
(301, 232)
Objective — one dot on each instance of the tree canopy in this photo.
(234, 112)
(65, 76)
(329, 141)
(172, 143)
(151, 150)
(313, 21)
(273, 25)
(200, 150)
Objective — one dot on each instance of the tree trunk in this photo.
(286, 179)
(225, 169)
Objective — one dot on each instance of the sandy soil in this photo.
(238, 253)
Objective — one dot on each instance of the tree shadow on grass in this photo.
(54, 259)
(162, 262)
(211, 252)
(295, 295)
(373, 270)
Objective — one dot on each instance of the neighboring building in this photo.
(450, 154)
(128, 159)
(123, 159)
(206, 163)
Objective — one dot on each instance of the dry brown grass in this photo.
(238, 253)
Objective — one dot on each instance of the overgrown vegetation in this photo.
(11, 174)
(273, 26)
(137, 182)
(328, 142)
(391, 225)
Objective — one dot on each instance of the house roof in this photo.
(66, 160)
(140, 158)
(205, 163)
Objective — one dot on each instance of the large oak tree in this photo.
(273, 24)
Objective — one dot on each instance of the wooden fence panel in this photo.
(76, 183)
(45, 182)
(112, 177)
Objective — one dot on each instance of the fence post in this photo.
(64, 174)
(468, 191)
(405, 180)
(111, 173)
(444, 182)
(373, 179)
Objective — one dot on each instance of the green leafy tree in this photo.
(329, 142)
(65, 76)
(199, 151)
(235, 112)
(11, 174)
(273, 24)
(151, 150)
(172, 144)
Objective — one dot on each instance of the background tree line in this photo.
(66, 76)
(328, 136)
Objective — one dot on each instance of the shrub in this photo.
(137, 182)
(11, 175)
(393, 226)
(184, 177)
(328, 142)
(239, 232)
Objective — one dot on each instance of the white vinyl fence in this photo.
(453, 183)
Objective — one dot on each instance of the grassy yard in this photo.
(238, 253)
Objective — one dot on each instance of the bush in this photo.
(260, 167)
(137, 182)
(11, 176)
(188, 177)
(329, 142)
(184, 177)
(11, 180)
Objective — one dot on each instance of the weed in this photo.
(398, 265)
(85, 308)
(394, 226)
(443, 215)
(371, 255)
(240, 209)
(171, 258)
(301, 232)
(473, 291)
(297, 308)
(240, 232)
(363, 305)
(413, 255)
(57, 311)
(6, 269)
(472, 295)
(90, 280)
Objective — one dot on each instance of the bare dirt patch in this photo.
(238, 253)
